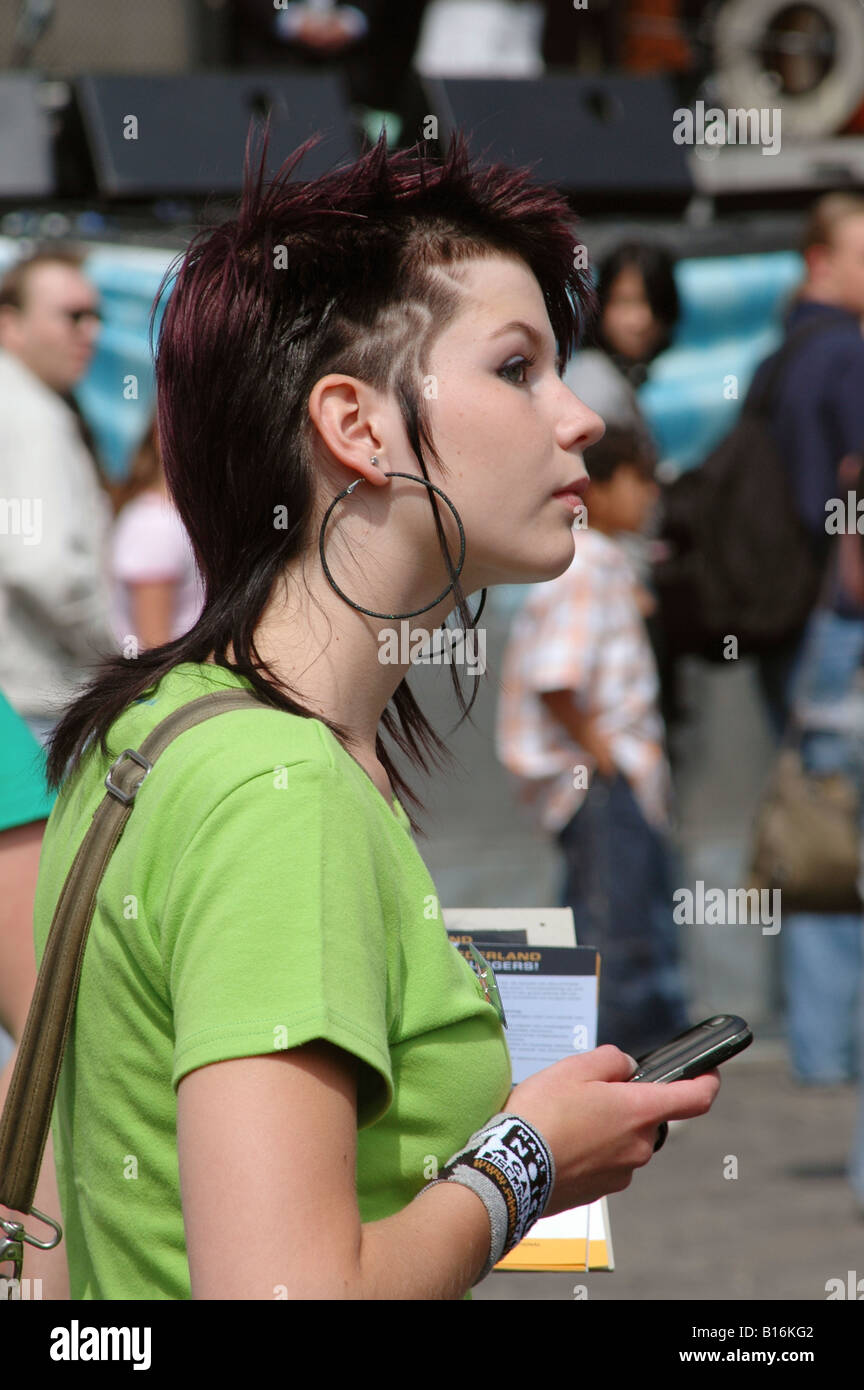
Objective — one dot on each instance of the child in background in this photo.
(580, 729)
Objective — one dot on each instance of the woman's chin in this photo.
(545, 563)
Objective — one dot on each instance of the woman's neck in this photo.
(332, 659)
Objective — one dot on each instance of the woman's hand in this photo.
(597, 1128)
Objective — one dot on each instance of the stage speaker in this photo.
(610, 135)
(26, 163)
(164, 136)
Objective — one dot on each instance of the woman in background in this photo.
(158, 593)
(637, 311)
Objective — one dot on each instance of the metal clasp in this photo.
(16, 1231)
(127, 797)
(489, 983)
(12, 1248)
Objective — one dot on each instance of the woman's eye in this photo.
(519, 364)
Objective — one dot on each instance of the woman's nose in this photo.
(594, 427)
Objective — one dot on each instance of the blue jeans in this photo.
(775, 673)
(618, 882)
(821, 952)
(821, 962)
(855, 1169)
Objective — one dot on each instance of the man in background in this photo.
(55, 518)
(819, 412)
(818, 422)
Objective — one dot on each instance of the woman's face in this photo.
(508, 430)
(629, 325)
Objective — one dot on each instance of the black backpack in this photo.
(739, 561)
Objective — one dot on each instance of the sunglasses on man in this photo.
(76, 316)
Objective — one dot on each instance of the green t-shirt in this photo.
(262, 894)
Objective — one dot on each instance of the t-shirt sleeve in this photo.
(24, 793)
(274, 931)
(149, 543)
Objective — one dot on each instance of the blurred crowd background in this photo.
(120, 124)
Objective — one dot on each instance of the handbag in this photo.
(806, 840)
(806, 836)
(29, 1104)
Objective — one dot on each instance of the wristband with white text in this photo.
(509, 1166)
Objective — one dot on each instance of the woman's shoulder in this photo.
(254, 747)
(591, 363)
(239, 738)
(147, 503)
(595, 379)
(152, 513)
(240, 776)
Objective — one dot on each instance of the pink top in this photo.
(150, 544)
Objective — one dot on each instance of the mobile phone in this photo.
(695, 1051)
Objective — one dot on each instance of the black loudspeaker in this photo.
(610, 134)
(163, 136)
(26, 162)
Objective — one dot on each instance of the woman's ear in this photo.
(346, 414)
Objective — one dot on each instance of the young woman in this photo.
(275, 1046)
(157, 587)
(637, 310)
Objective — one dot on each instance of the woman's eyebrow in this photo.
(537, 338)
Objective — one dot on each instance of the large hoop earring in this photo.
(414, 478)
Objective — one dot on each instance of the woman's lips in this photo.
(574, 493)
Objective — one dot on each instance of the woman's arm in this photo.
(152, 608)
(48, 1265)
(20, 847)
(267, 1151)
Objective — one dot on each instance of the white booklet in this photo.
(548, 988)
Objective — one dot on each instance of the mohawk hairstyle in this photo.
(336, 274)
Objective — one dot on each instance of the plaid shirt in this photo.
(582, 632)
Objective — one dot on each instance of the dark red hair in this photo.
(335, 274)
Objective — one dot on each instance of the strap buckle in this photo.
(16, 1231)
(12, 1246)
(12, 1249)
(127, 797)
